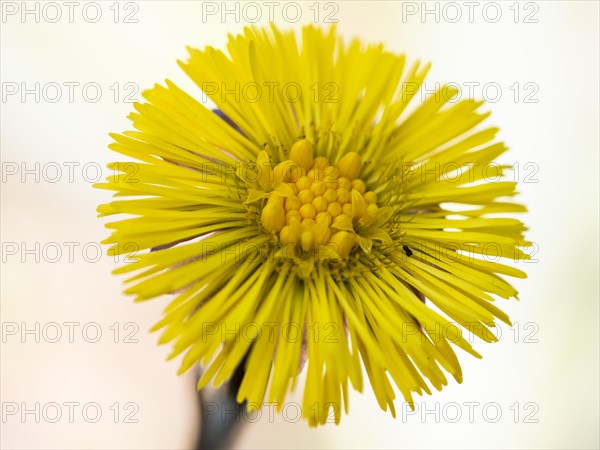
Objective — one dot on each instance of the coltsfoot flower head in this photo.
(315, 225)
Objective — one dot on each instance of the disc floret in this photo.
(314, 205)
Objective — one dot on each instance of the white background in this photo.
(548, 362)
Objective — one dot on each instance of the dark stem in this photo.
(221, 414)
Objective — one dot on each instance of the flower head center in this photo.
(315, 203)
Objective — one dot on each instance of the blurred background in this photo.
(79, 368)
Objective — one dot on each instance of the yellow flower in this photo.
(314, 215)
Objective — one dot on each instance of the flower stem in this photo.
(220, 418)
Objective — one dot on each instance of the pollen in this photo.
(323, 204)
